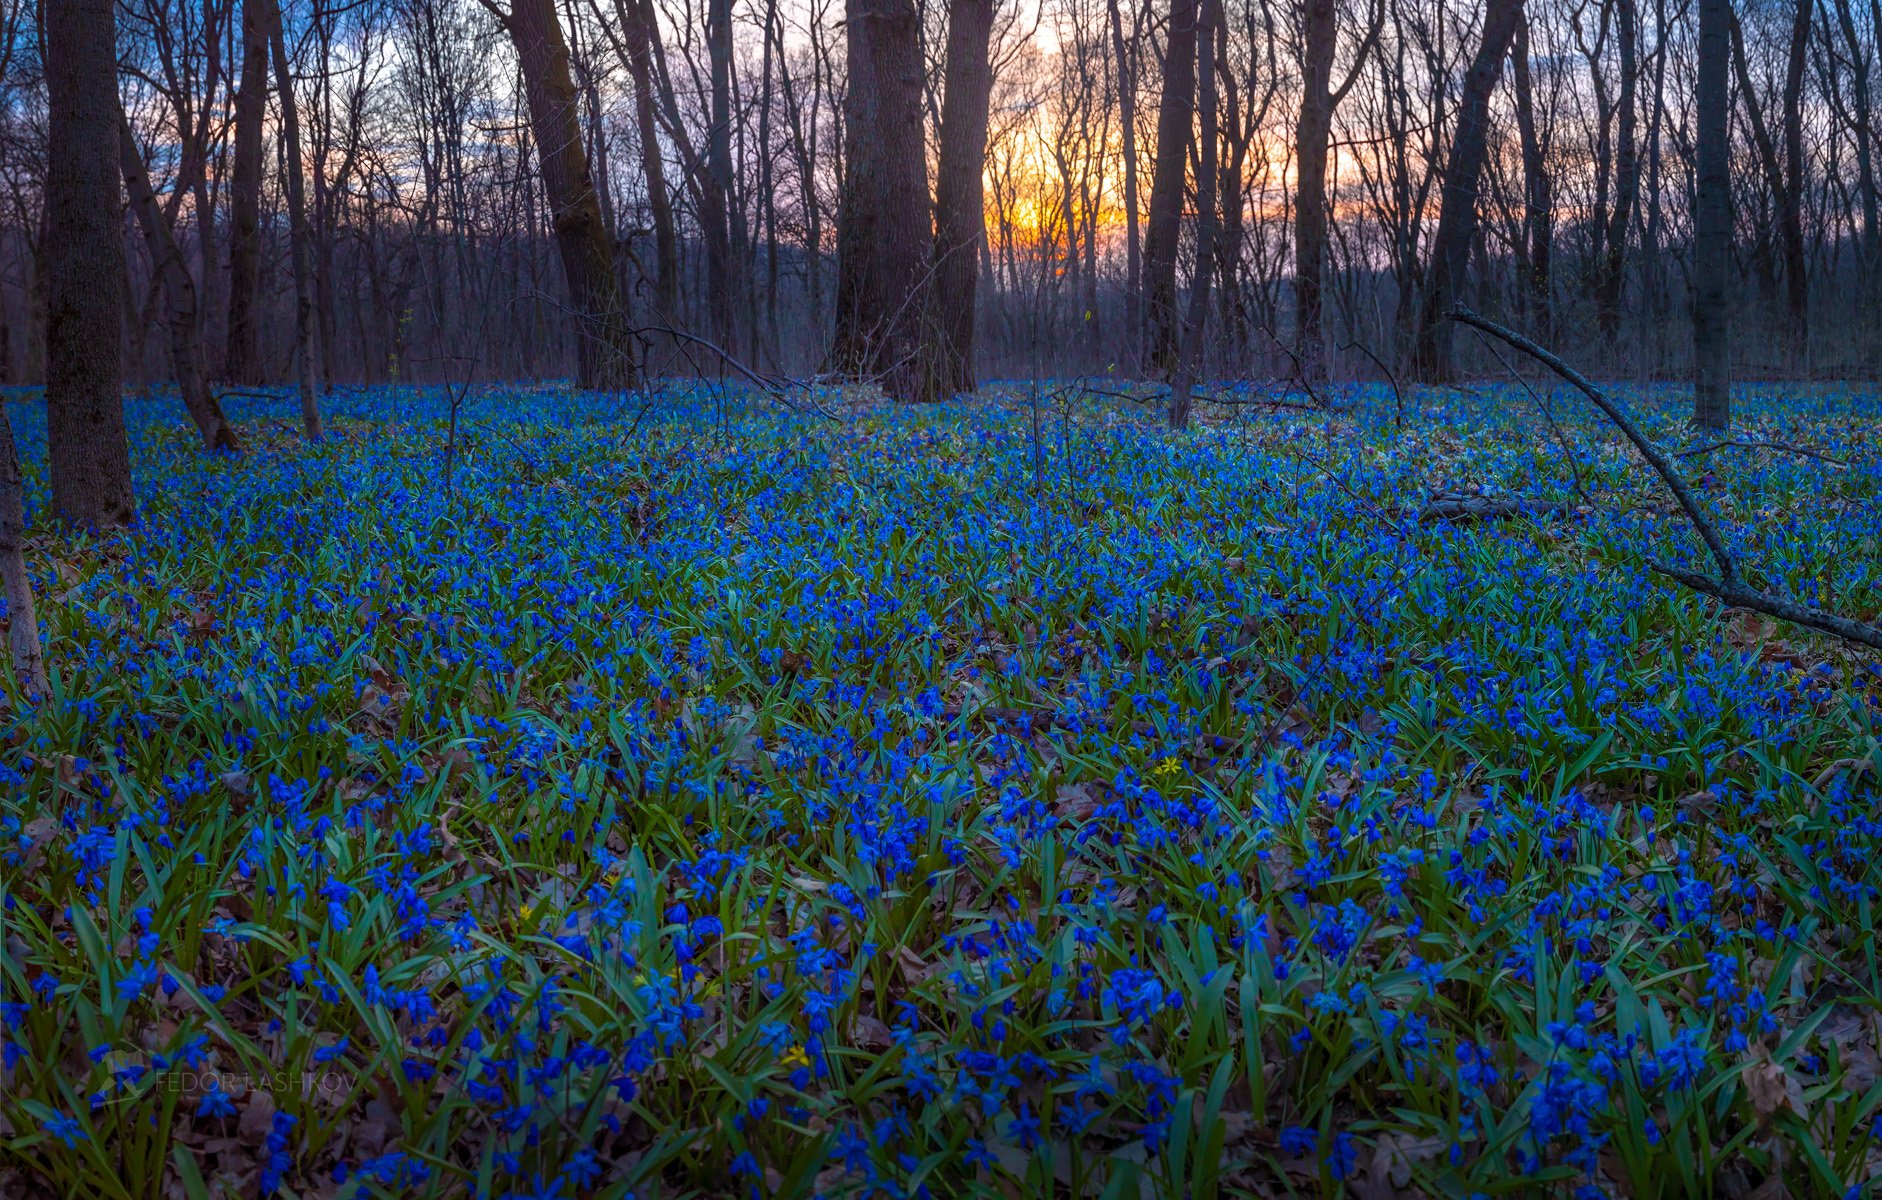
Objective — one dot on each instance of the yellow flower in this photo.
(1169, 766)
(795, 1057)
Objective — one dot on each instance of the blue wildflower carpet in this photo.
(1006, 799)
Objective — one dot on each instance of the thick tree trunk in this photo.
(1196, 322)
(959, 202)
(1613, 274)
(179, 291)
(1538, 203)
(884, 238)
(1712, 221)
(300, 237)
(1311, 132)
(605, 354)
(1175, 115)
(29, 666)
(1457, 212)
(88, 449)
(1127, 121)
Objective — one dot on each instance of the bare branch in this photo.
(1728, 588)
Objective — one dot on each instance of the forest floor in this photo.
(1009, 798)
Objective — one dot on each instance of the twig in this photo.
(1548, 414)
(1748, 444)
(1398, 397)
(1300, 371)
(1728, 587)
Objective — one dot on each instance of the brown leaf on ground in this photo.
(1771, 1088)
(257, 1118)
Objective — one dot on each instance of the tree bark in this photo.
(1796, 278)
(1870, 326)
(1457, 212)
(884, 238)
(1196, 322)
(29, 665)
(1613, 275)
(1538, 203)
(300, 237)
(605, 353)
(1311, 132)
(1175, 115)
(719, 179)
(637, 29)
(1712, 222)
(959, 199)
(179, 292)
(88, 450)
(1127, 121)
(242, 364)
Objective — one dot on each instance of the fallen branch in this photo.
(1460, 508)
(1728, 587)
(1748, 444)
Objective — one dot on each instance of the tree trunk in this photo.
(884, 238)
(1869, 327)
(29, 666)
(1774, 173)
(1712, 222)
(605, 351)
(1613, 277)
(179, 291)
(1311, 132)
(959, 201)
(1791, 214)
(1457, 212)
(1538, 204)
(1175, 115)
(88, 450)
(718, 181)
(299, 236)
(636, 21)
(1196, 323)
(1127, 121)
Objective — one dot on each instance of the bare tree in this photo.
(1176, 114)
(1311, 133)
(1537, 244)
(960, 227)
(883, 232)
(300, 236)
(638, 31)
(719, 179)
(605, 350)
(1712, 221)
(242, 363)
(1457, 212)
(1125, 54)
(1196, 322)
(1611, 278)
(166, 262)
(88, 448)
